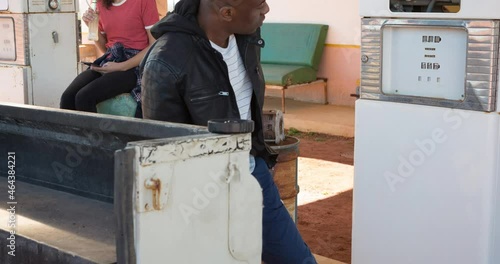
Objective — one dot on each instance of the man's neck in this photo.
(221, 41)
(211, 26)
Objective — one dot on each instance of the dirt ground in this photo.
(325, 172)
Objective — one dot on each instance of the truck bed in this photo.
(56, 227)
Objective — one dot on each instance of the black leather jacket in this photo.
(185, 80)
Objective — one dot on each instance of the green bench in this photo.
(292, 55)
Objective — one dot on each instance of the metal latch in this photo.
(155, 186)
(55, 37)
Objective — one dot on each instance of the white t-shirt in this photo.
(239, 80)
(238, 76)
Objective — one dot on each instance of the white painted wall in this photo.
(341, 15)
(171, 4)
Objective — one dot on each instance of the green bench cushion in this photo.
(120, 105)
(276, 74)
(293, 43)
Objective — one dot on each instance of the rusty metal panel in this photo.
(196, 194)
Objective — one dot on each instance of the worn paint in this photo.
(185, 148)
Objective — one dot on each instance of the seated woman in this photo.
(124, 38)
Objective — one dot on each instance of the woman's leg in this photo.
(103, 88)
(68, 97)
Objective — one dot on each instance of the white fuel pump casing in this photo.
(40, 44)
(427, 179)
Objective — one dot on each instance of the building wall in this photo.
(340, 62)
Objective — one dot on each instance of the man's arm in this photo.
(162, 94)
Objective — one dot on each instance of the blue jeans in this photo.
(281, 241)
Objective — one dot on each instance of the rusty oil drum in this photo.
(285, 172)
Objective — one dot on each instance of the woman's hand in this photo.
(108, 67)
(89, 15)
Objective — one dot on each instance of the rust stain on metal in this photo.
(155, 186)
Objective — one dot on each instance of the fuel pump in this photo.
(427, 180)
(38, 50)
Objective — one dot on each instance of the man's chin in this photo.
(248, 32)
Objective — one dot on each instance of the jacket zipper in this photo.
(221, 93)
(223, 67)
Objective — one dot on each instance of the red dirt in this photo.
(326, 224)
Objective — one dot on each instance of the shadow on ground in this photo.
(326, 226)
(326, 147)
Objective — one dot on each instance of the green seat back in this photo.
(293, 44)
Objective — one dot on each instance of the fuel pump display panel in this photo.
(424, 61)
(445, 63)
(7, 39)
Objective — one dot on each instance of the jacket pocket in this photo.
(207, 105)
(208, 97)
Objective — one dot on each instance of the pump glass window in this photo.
(436, 6)
(424, 61)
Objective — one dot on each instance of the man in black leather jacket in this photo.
(186, 80)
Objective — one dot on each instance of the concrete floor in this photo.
(311, 117)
